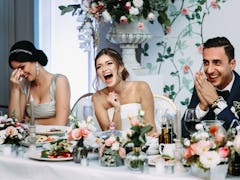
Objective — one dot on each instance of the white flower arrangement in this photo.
(11, 131)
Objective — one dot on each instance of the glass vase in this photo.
(111, 161)
(136, 160)
(80, 153)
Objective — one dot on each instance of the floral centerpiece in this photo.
(234, 145)
(136, 159)
(111, 152)
(206, 148)
(11, 131)
(82, 132)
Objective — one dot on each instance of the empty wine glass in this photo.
(87, 111)
(190, 120)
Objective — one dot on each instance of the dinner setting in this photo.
(124, 89)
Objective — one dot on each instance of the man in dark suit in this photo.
(217, 90)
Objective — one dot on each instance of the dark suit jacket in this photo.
(226, 115)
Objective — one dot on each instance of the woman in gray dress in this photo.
(50, 92)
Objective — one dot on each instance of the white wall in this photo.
(58, 37)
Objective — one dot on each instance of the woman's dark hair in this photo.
(25, 51)
(221, 42)
(116, 57)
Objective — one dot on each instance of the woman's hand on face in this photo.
(113, 99)
(16, 77)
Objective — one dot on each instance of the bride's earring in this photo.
(37, 68)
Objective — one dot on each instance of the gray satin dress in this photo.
(44, 110)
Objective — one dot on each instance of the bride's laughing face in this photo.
(108, 70)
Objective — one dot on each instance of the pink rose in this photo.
(140, 25)
(219, 137)
(127, 6)
(70, 135)
(168, 29)
(223, 151)
(110, 141)
(123, 20)
(135, 122)
(188, 152)
(11, 131)
(84, 132)
(214, 4)
(76, 134)
(186, 68)
(122, 152)
(184, 11)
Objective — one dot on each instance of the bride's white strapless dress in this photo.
(126, 110)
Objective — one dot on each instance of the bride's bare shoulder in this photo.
(99, 94)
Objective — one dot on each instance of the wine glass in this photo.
(87, 111)
(190, 120)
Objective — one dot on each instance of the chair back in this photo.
(164, 107)
(83, 108)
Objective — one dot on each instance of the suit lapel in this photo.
(235, 91)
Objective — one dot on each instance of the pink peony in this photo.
(110, 141)
(200, 147)
(11, 131)
(84, 132)
(76, 134)
(223, 151)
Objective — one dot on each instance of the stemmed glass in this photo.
(190, 120)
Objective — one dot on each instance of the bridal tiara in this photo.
(21, 50)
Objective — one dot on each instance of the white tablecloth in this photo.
(23, 168)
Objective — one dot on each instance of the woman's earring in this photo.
(37, 68)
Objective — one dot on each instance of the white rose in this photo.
(115, 146)
(133, 11)
(151, 17)
(106, 16)
(138, 3)
(186, 142)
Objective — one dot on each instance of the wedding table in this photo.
(24, 168)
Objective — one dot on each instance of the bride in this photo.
(120, 98)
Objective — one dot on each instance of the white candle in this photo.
(178, 124)
(32, 120)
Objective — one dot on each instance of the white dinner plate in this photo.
(36, 155)
(38, 143)
(153, 159)
(51, 130)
